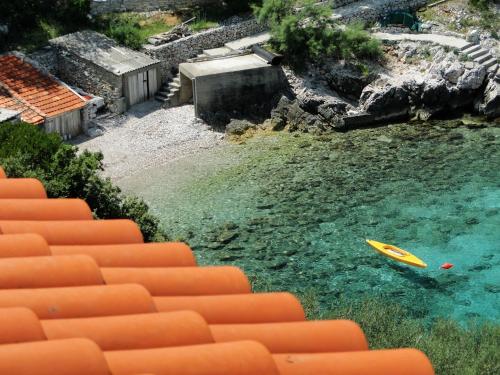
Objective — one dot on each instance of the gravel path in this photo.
(149, 136)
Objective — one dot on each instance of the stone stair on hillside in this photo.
(169, 92)
(482, 56)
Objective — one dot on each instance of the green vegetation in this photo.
(452, 349)
(133, 29)
(310, 33)
(26, 151)
(481, 15)
(32, 23)
(481, 4)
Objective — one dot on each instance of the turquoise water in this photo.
(294, 212)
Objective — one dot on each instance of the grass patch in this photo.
(454, 349)
(202, 24)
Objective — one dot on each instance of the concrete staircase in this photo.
(169, 92)
(482, 56)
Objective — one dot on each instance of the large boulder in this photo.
(488, 104)
(380, 98)
(349, 80)
(472, 79)
(453, 72)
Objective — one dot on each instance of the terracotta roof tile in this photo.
(60, 250)
(34, 91)
(27, 114)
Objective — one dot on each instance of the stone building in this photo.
(98, 65)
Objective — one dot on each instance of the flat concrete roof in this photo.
(103, 52)
(223, 65)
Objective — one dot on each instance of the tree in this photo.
(26, 151)
(307, 31)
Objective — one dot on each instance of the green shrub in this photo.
(26, 151)
(481, 4)
(453, 349)
(126, 31)
(310, 33)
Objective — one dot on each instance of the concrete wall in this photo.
(179, 51)
(235, 90)
(109, 6)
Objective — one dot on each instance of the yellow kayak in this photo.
(396, 253)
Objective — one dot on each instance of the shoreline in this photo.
(149, 136)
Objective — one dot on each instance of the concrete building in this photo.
(95, 63)
(39, 99)
(228, 83)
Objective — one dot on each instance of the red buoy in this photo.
(446, 266)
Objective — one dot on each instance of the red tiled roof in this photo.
(86, 297)
(36, 94)
(27, 114)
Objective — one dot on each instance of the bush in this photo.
(310, 33)
(481, 4)
(26, 151)
(126, 31)
(453, 349)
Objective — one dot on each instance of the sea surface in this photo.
(294, 210)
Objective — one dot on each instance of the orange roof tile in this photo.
(38, 95)
(27, 114)
(123, 329)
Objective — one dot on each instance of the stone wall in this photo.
(372, 10)
(109, 6)
(179, 51)
(91, 78)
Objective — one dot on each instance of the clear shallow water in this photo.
(294, 211)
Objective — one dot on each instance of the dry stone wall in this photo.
(178, 51)
(372, 10)
(110, 6)
(91, 78)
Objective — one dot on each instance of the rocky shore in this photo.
(417, 80)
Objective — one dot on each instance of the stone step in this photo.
(493, 68)
(174, 85)
(483, 58)
(468, 46)
(489, 63)
(478, 53)
(161, 99)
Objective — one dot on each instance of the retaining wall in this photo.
(179, 51)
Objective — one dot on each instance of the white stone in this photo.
(472, 79)
(453, 72)
(473, 36)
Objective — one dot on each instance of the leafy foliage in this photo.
(40, 19)
(452, 348)
(481, 4)
(307, 31)
(126, 31)
(26, 151)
